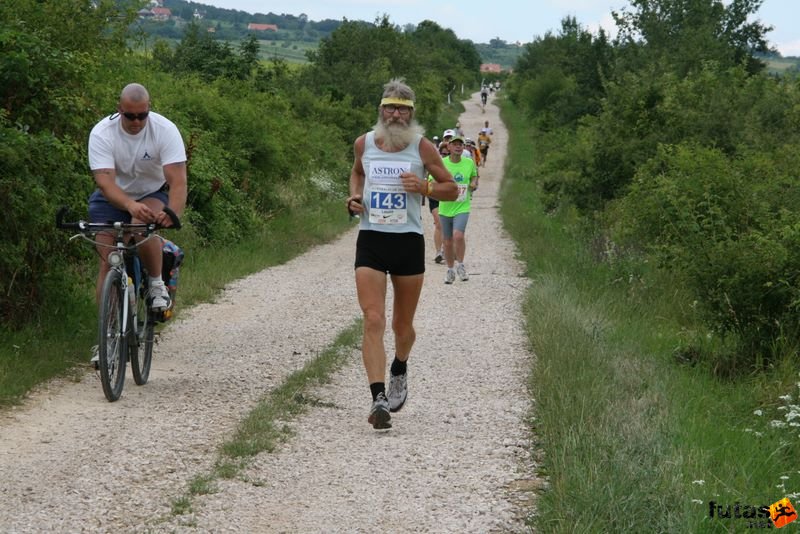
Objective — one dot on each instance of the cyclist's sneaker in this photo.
(398, 391)
(462, 272)
(450, 276)
(379, 416)
(158, 296)
(95, 361)
(439, 258)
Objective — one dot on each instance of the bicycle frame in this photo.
(120, 332)
(120, 254)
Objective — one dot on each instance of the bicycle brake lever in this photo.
(176, 222)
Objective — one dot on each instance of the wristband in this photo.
(430, 189)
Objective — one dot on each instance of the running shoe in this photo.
(95, 361)
(398, 391)
(462, 272)
(450, 276)
(379, 416)
(158, 296)
(439, 258)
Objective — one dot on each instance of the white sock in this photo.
(155, 281)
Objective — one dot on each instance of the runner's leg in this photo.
(407, 290)
(371, 289)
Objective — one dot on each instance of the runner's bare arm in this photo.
(357, 177)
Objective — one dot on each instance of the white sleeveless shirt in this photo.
(388, 207)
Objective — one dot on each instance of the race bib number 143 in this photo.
(387, 199)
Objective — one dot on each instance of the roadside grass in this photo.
(58, 344)
(628, 438)
(267, 425)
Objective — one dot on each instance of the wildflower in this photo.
(784, 477)
(758, 413)
(698, 482)
(785, 398)
(777, 424)
(697, 501)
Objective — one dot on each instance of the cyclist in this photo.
(138, 161)
(389, 171)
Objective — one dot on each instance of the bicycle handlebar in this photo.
(84, 226)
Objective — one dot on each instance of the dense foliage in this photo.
(261, 137)
(675, 143)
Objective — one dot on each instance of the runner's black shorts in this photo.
(432, 204)
(398, 254)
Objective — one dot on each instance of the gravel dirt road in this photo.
(456, 460)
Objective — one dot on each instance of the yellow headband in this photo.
(397, 102)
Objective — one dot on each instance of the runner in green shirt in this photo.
(453, 215)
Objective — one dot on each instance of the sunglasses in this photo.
(135, 116)
(391, 108)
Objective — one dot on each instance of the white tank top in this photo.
(388, 207)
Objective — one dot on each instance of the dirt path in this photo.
(72, 462)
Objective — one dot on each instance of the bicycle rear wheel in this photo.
(141, 355)
(112, 339)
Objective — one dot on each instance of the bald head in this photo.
(134, 92)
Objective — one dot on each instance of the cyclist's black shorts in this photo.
(398, 254)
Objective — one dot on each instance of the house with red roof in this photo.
(262, 27)
(161, 13)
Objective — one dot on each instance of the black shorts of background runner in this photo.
(432, 204)
(397, 254)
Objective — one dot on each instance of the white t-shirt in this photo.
(138, 159)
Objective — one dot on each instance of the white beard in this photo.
(394, 137)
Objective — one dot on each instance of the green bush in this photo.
(728, 228)
(37, 176)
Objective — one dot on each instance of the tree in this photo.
(682, 34)
(199, 52)
(559, 78)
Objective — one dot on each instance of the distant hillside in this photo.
(782, 65)
(294, 35)
(500, 52)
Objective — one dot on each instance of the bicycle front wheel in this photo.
(112, 339)
(141, 352)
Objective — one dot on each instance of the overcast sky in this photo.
(510, 20)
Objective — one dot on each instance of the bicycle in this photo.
(126, 324)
